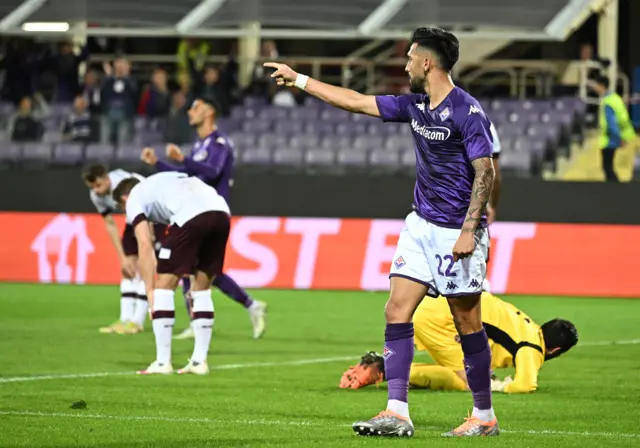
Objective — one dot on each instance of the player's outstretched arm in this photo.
(340, 97)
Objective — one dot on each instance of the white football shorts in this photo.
(425, 254)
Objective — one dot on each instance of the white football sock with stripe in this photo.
(142, 304)
(127, 299)
(164, 317)
(202, 324)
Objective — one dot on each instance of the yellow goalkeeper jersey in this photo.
(515, 339)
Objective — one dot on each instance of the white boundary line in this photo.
(299, 362)
(285, 422)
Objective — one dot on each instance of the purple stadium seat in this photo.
(130, 153)
(391, 128)
(384, 161)
(140, 123)
(254, 102)
(334, 114)
(100, 152)
(351, 160)
(51, 124)
(68, 153)
(256, 157)
(317, 159)
(37, 151)
(274, 113)
(288, 158)
(11, 152)
(243, 139)
(334, 142)
(303, 114)
(398, 143)
(304, 141)
(51, 137)
(242, 113)
(375, 128)
(256, 126)
(351, 128)
(272, 141)
(319, 128)
(4, 137)
(538, 146)
(519, 162)
(408, 160)
(366, 142)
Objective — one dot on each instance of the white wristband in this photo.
(301, 81)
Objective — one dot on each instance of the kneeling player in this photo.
(133, 296)
(515, 340)
(195, 244)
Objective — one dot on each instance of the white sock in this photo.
(486, 415)
(202, 324)
(399, 407)
(253, 306)
(142, 305)
(127, 299)
(164, 317)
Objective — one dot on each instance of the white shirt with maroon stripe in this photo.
(105, 204)
(172, 198)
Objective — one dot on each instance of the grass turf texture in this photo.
(262, 394)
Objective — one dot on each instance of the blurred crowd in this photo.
(60, 88)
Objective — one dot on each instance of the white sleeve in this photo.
(99, 204)
(497, 147)
(135, 209)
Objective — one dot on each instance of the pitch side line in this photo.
(299, 362)
(287, 423)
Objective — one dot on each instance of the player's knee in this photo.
(466, 314)
(397, 311)
(167, 281)
(201, 281)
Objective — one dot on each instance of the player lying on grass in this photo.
(211, 160)
(515, 340)
(133, 296)
(195, 243)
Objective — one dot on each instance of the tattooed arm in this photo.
(480, 193)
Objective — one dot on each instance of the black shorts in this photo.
(199, 245)
(130, 243)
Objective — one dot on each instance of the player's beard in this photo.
(416, 84)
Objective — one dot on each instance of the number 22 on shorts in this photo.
(447, 272)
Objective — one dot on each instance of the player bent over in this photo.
(133, 295)
(515, 341)
(443, 247)
(195, 243)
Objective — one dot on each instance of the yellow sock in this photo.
(435, 377)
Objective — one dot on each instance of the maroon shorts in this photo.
(130, 243)
(199, 245)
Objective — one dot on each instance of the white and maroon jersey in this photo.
(497, 147)
(172, 198)
(105, 204)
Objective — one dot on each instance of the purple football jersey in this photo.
(211, 160)
(446, 140)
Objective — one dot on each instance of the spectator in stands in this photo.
(261, 82)
(19, 67)
(208, 83)
(156, 99)
(119, 98)
(178, 130)
(91, 89)
(65, 65)
(616, 129)
(194, 49)
(78, 126)
(26, 124)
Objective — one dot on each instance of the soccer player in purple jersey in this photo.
(211, 160)
(443, 247)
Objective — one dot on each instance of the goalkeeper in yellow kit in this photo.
(515, 340)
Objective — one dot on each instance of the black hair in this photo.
(559, 334)
(91, 172)
(443, 43)
(602, 80)
(210, 100)
(124, 187)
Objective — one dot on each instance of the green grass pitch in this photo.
(282, 391)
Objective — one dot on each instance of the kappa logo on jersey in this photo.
(200, 155)
(420, 106)
(399, 262)
(445, 114)
(451, 285)
(439, 133)
(474, 283)
(474, 110)
(387, 352)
